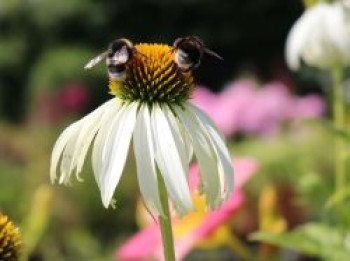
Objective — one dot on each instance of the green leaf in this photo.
(314, 239)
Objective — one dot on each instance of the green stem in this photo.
(338, 119)
(165, 222)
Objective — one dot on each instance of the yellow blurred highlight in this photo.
(269, 220)
(186, 224)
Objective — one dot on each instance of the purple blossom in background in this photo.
(244, 108)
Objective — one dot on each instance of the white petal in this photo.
(59, 147)
(67, 155)
(169, 161)
(224, 158)
(103, 137)
(295, 43)
(337, 26)
(144, 155)
(185, 139)
(205, 155)
(73, 143)
(188, 144)
(89, 126)
(300, 34)
(320, 37)
(181, 143)
(116, 152)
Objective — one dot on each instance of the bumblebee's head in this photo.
(150, 72)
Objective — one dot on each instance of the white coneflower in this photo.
(151, 110)
(321, 36)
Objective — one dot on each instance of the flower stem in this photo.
(338, 119)
(165, 222)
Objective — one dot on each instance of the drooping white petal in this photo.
(205, 155)
(67, 155)
(188, 143)
(59, 147)
(113, 103)
(185, 138)
(223, 155)
(116, 152)
(144, 155)
(169, 161)
(81, 142)
(74, 143)
(103, 137)
(182, 145)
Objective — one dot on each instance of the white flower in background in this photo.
(320, 37)
(150, 110)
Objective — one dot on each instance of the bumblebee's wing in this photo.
(96, 60)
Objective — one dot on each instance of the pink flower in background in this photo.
(267, 109)
(194, 227)
(244, 108)
(74, 97)
(226, 107)
(54, 106)
(310, 106)
(46, 108)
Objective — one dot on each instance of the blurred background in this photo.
(273, 117)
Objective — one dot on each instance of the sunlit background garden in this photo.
(290, 157)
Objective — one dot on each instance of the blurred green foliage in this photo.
(313, 239)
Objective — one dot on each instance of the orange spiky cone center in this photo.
(153, 76)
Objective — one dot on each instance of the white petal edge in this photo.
(103, 137)
(205, 155)
(182, 145)
(169, 161)
(223, 156)
(59, 147)
(144, 156)
(116, 152)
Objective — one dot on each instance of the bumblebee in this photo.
(189, 52)
(117, 56)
